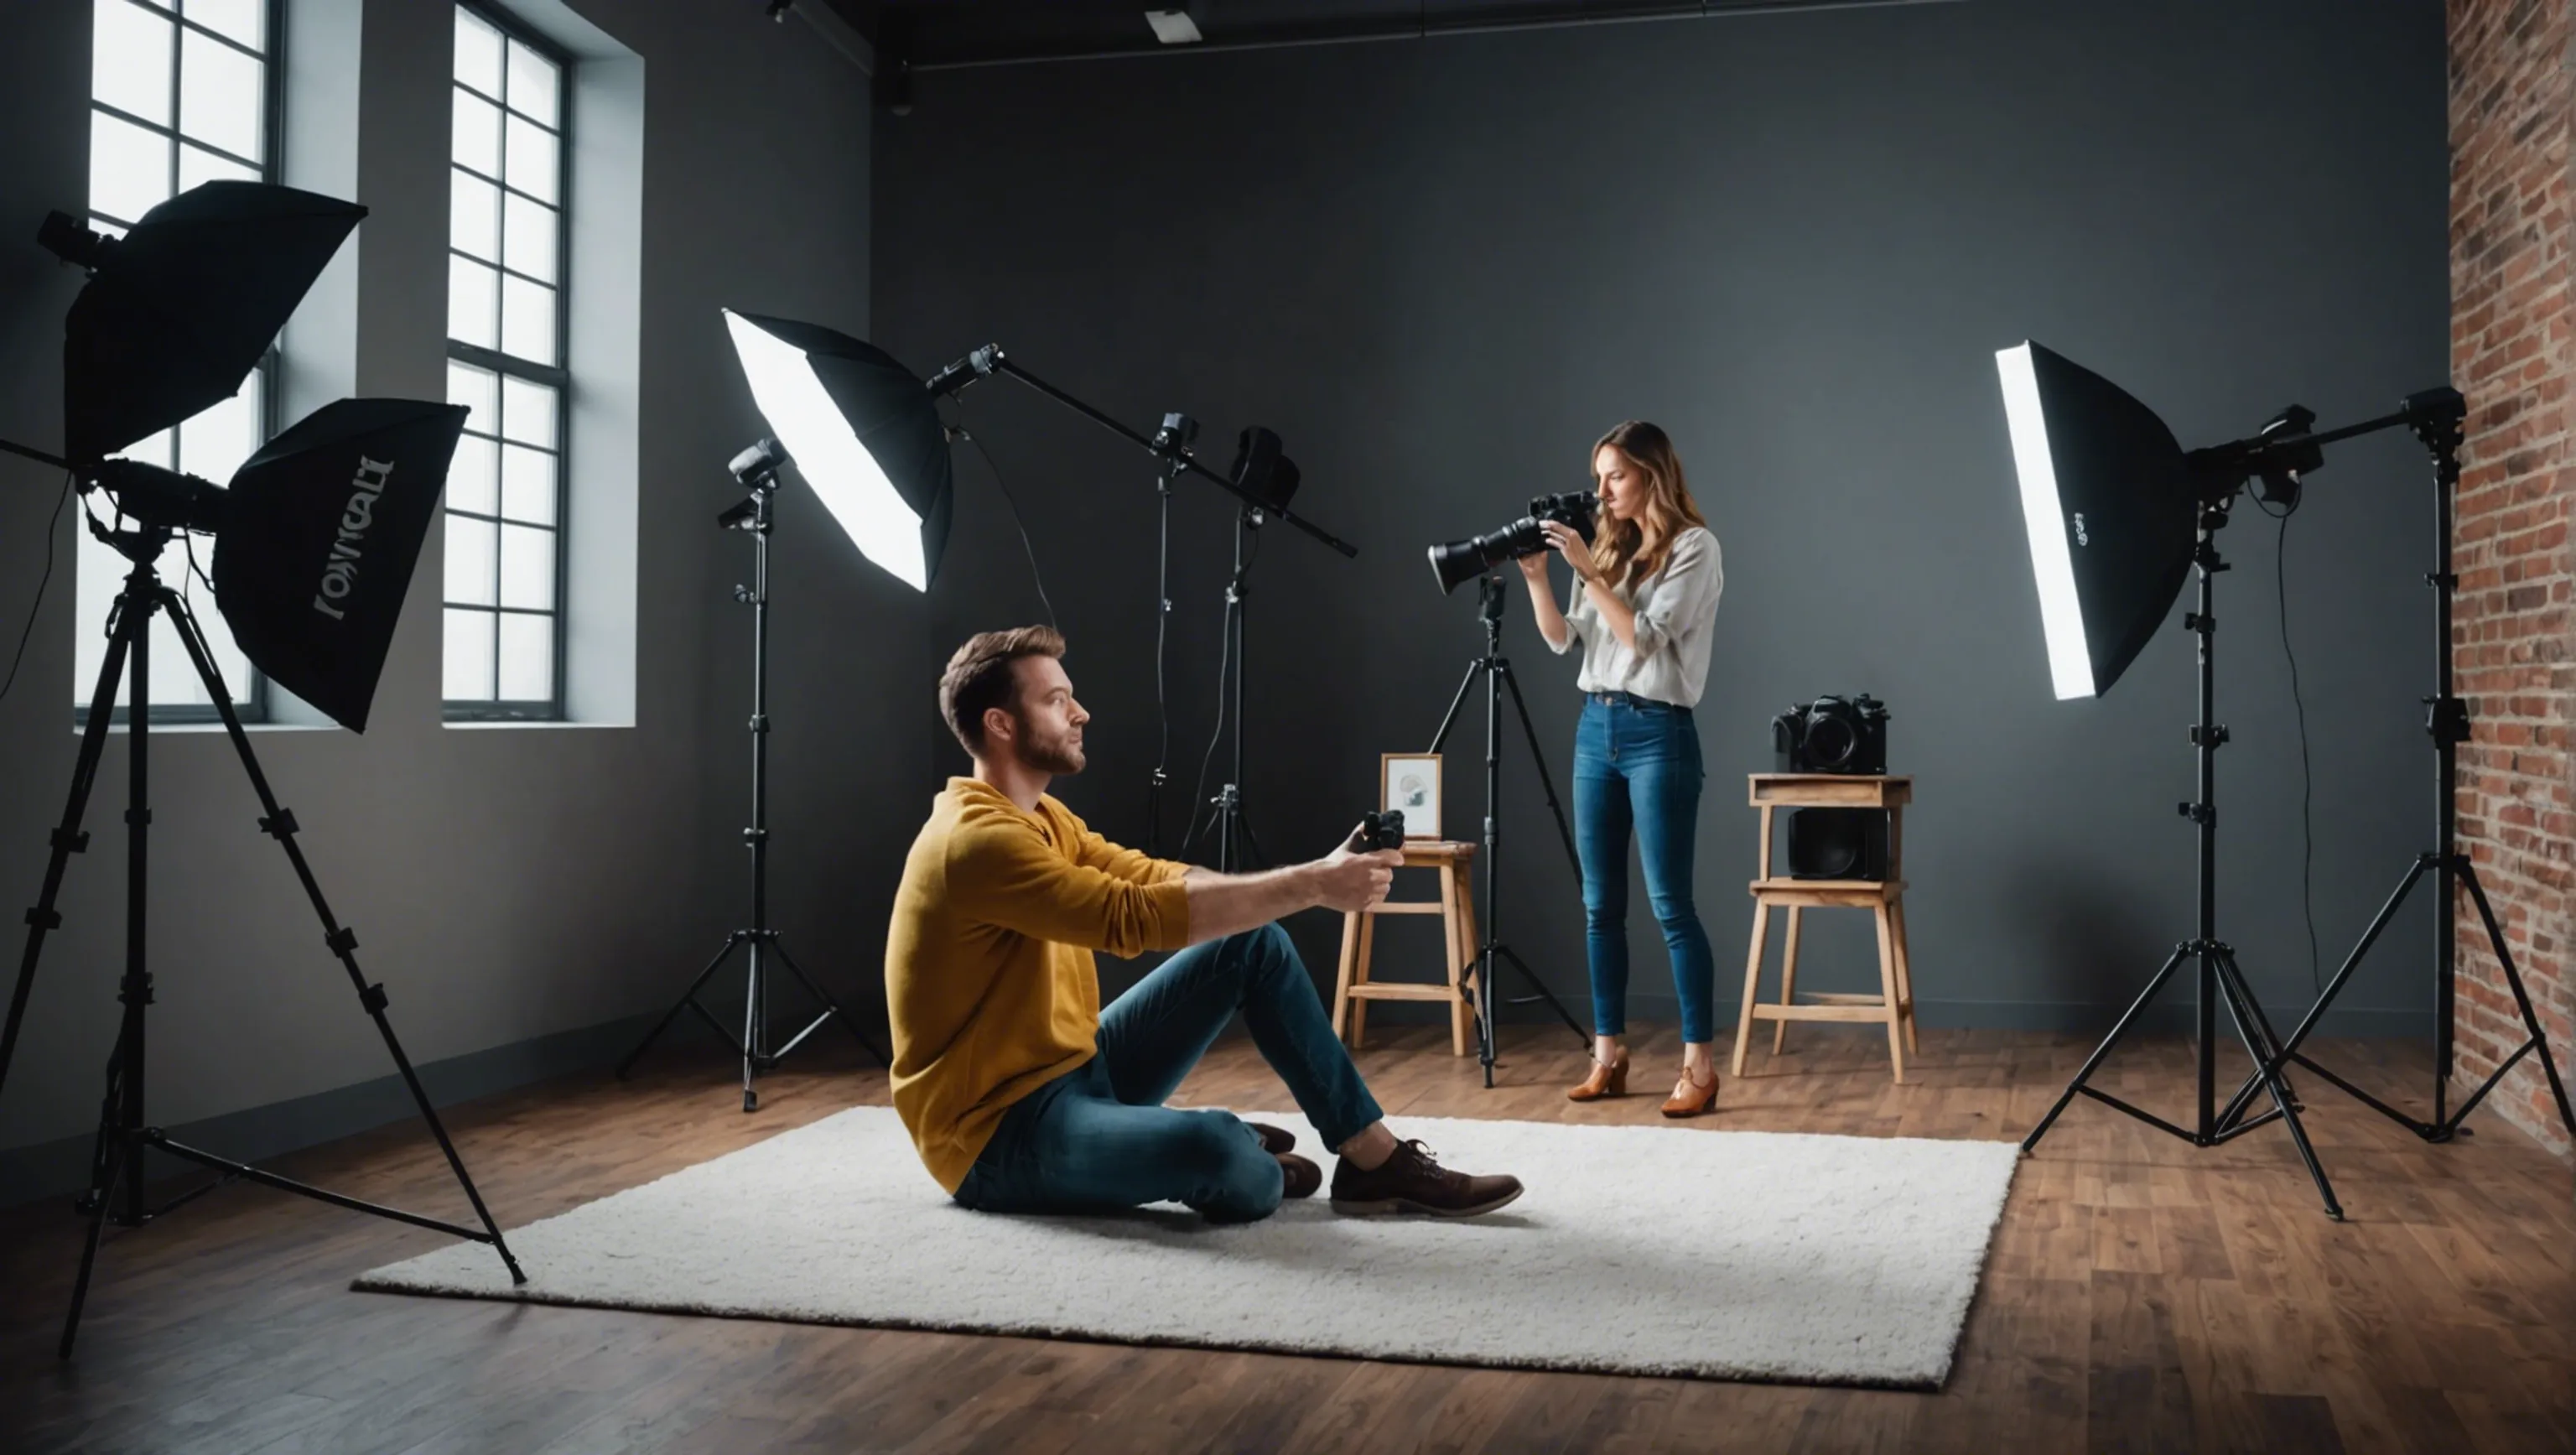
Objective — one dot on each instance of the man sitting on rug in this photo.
(1021, 1092)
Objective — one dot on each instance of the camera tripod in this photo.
(1496, 669)
(2220, 979)
(757, 469)
(125, 1133)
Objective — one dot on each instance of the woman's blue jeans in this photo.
(1637, 766)
(1099, 1138)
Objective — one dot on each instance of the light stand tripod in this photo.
(2219, 977)
(1237, 849)
(125, 1133)
(1496, 669)
(757, 469)
(2435, 417)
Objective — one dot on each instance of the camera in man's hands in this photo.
(1379, 831)
(1465, 560)
(1832, 735)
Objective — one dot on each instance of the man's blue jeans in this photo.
(1637, 765)
(1099, 1137)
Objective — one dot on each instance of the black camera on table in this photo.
(1460, 561)
(1832, 735)
(1379, 831)
(1835, 735)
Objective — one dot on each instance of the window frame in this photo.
(501, 365)
(254, 704)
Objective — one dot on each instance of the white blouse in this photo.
(1676, 619)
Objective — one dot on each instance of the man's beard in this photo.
(1059, 757)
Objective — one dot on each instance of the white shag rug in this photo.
(1636, 1250)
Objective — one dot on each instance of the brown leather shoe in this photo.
(1605, 1080)
(1410, 1182)
(1298, 1177)
(1690, 1098)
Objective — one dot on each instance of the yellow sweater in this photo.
(989, 978)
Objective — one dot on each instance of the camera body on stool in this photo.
(1835, 735)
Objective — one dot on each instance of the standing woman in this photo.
(1644, 608)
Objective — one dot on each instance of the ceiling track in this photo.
(1417, 30)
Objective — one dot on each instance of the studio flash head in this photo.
(1454, 562)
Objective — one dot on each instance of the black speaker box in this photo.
(1838, 843)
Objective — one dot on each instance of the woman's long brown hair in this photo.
(1630, 551)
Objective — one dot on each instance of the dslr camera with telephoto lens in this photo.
(1465, 560)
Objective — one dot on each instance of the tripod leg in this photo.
(752, 1016)
(2245, 1094)
(830, 1006)
(1457, 700)
(687, 998)
(1506, 952)
(2118, 1030)
(67, 841)
(103, 1196)
(2522, 999)
(2240, 1007)
(280, 824)
(1538, 759)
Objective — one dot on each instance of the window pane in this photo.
(532, 159)
(222, 436)
(528, 490)
(471, 302)
(196, 165)
(129, 168)
(528, 567)
(478, 52)
(474, 216)
(242, 20)
(534, 82)
(219, 95)
(527, 320)
(129, 63)
(478, 135)
(528, 412)
(471, 483)
(472, 387)
(468, 650)
(471, 574)
(531, 237)
(527, 658)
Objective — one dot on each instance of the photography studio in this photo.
(1677, 858)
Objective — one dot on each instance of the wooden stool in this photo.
(1353, 990)
(1894, 1005)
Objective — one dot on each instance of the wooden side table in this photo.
(1894, 1004)
(1456, 906)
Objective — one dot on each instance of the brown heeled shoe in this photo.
(1699, 1102)
(1606, 1079)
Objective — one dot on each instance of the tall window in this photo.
(505, 329)
(181, 92)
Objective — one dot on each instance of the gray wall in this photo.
(1440, 269)
(510, 887)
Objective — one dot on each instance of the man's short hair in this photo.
(981, 676)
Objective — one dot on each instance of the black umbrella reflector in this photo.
(864, 432)
(2109, 501)
(316, 552)
(178, 311)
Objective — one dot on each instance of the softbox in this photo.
(324, 527)
(177, 312)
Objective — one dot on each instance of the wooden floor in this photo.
(2141, 1295)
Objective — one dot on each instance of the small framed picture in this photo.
(1409, 784)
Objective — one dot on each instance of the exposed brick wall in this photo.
(2513, 353)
